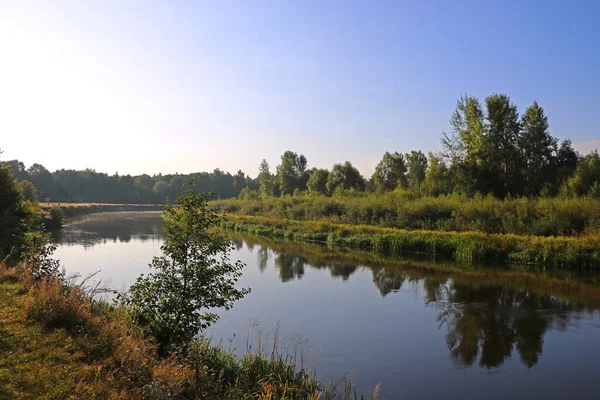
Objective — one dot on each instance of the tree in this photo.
(317, 183)
(416, 165)
(160, 187)
(502, 146)
(465, 146)
(191, 278)
(265, 179)
(28, 191)
(18, 170)
(239, 181)
(566, 162)
(44, 182)
(290, 172)
(345, 176)
(538, 150)
(438, 180)
(13, 214)
(586, 178)
(390, 172)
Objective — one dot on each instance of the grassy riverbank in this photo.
(452, 213)
(467, 247)
(57, 343)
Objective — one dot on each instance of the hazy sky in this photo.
(141, 86)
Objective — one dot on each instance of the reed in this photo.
(466, 247)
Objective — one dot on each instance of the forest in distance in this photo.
(490, 150)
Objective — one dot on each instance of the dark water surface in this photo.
(416, 327)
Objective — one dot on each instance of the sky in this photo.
(168, 86)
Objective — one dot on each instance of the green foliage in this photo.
(290, 174)
(586, 177)
(465, 247)
(404, 209)
(17, 216)
(438, 180)
(160, 188)
(317, 183)
(390, 172)
(28, 191)
(538, 149)
(191, 278)
(265, 179)
(345, 176)
(416, 165)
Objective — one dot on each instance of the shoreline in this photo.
(572, 253)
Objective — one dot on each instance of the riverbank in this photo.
(400, 209)
(71, 210)
(58, 343)
(583, 288)
(581, 252)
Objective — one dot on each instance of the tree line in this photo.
(490, 150)
(91, 186)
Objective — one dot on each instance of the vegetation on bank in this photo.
(466, 247)
(402, 209)
(56, 342)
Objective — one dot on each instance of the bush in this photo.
(55, 305)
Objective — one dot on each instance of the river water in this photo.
(420, 328)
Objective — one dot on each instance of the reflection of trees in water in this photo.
(94, 229)
(237, 244)
(290, 267)
(386, 282)
(485, 324)
(487, 319)
(263, 256)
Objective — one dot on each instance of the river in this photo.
(421, 328)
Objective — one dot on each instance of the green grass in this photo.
(465, 247)
(404, 210)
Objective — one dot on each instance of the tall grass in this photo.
(400, 209)
(466, 247)
(66, 345)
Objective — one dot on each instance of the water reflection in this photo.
(485, 324)
(484, 316)
(91, 230)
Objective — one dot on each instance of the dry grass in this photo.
(56, 343)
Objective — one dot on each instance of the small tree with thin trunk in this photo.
(191, 279)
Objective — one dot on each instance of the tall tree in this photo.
(44, 182)
(502, 145)
(317, 183)
(265, 179)
(345, 176)
(465, 146)
(416, 165)
(538, 150)
(566, 163)
(390, 172)
(291, 171)
(586, 179)
(438, 180)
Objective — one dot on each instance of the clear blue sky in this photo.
(141, 86)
